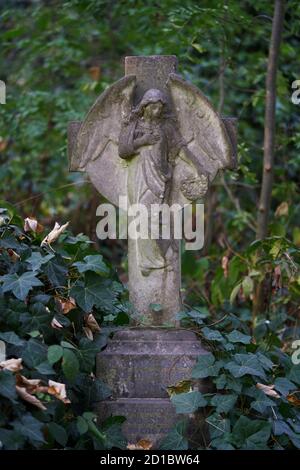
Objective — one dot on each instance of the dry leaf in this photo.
(225, 262)
(30, 384)
(88, 332)
(55, 324)
(181, 387)
(142, 444)
(91, 323)
(25, 395)
(95, 72)
(13, 255)
(54, 234)
(32, 225)
(277, 278)
(58, 390)
(3, 144)
(293, 399)
(66, 305)
(282, 209)
(268, 390)
(14, 365)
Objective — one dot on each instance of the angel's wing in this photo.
(96, 146)
(201, 128)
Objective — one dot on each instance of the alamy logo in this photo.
(296, 93)
(2, 92)
(296, 354)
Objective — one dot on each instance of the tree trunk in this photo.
(269, 134)
(269, 142)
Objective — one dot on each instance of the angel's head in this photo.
(152, 104)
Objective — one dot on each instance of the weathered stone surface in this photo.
(150, 72)
(144, 362)
(139, 365)
(151, 419)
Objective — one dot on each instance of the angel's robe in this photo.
(150, 178)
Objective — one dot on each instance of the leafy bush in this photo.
(256, 397)
(51, 305)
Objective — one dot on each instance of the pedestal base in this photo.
(138, 365)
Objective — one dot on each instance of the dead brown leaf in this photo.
(26, 396)
(95, 72)
(3, 144)
(66, 305)
(181, 387)
(293, 399)
(14, 365)
(58, 390)
(277, 278)
(56, 324)
(13, 255)
(268, 390)
(225, 263)
(282, 209)
(32, 225)
(88, 332)
(54, 234)
(142, 444)
(91, 323)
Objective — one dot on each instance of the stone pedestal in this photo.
(138, 365)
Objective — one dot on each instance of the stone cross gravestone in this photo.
(151, 138)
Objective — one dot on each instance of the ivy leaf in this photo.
(82, 425)
(262, 402)
(284, 386)
(87, 354)
(218, 425)
(188, 402)
(58, 433)
(223, 403)
(55, 353)
(212, 335)
(20, 285)
(206, 366)
(251, 434)
(36, 260)
(31, 428)
(34, 353)
(294, 374)
(245, 364)
(93, 263)
(11, 439)
(236, 336)
(11, 338)
(95, 292)
(56, 273)
(70, 365)
(8, 385)
(45, 368)
(175, 439)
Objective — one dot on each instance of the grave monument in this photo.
(151, 138)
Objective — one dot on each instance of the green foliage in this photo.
(45, 329)
(255, 381)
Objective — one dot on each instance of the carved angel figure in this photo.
(154, 152)
(150, 134)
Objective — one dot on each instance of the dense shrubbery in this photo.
(51, 305)
(255, 404)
